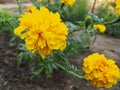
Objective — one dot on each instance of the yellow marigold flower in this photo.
(29, 8)
(101, 71)
(42, 30)
(101, 28)
(118, 9)
(68, 2)
(117, 2)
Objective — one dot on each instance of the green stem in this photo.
(106, 18)
(19, 6)
(10, 24)
(63, 57)
(81, 77)
(94, 39)
(117, 20)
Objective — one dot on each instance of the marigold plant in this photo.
(42, 30)
(101, 71)
(101, 28)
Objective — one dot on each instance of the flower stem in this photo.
(73, 73)
(19, 6)
(10, 24)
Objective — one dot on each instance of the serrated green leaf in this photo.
(37, 72)
(19, 58)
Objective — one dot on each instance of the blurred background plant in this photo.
(105, 11)
(77, 12)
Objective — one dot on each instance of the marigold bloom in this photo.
(42, 30)
(101, 28)
(117, 2)
(101, 71)
(29, 8)
(68, 2)
(117, 7)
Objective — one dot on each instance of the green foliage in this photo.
(109, 18)
(104, 9)
(75, 13)
(4, 16)
(56, 61)
(77, 43)
(113, 30)
(95, 18)
(7, 21)
(52, 5)
(22, 53)
(112, 22)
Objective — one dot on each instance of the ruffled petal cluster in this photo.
(68, 2)
(118, 7)
(101, 71)
(101, 28)
(30, 8)
(42, 30)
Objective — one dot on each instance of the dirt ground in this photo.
(13, 78)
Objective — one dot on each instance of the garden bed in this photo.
(13, 78)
